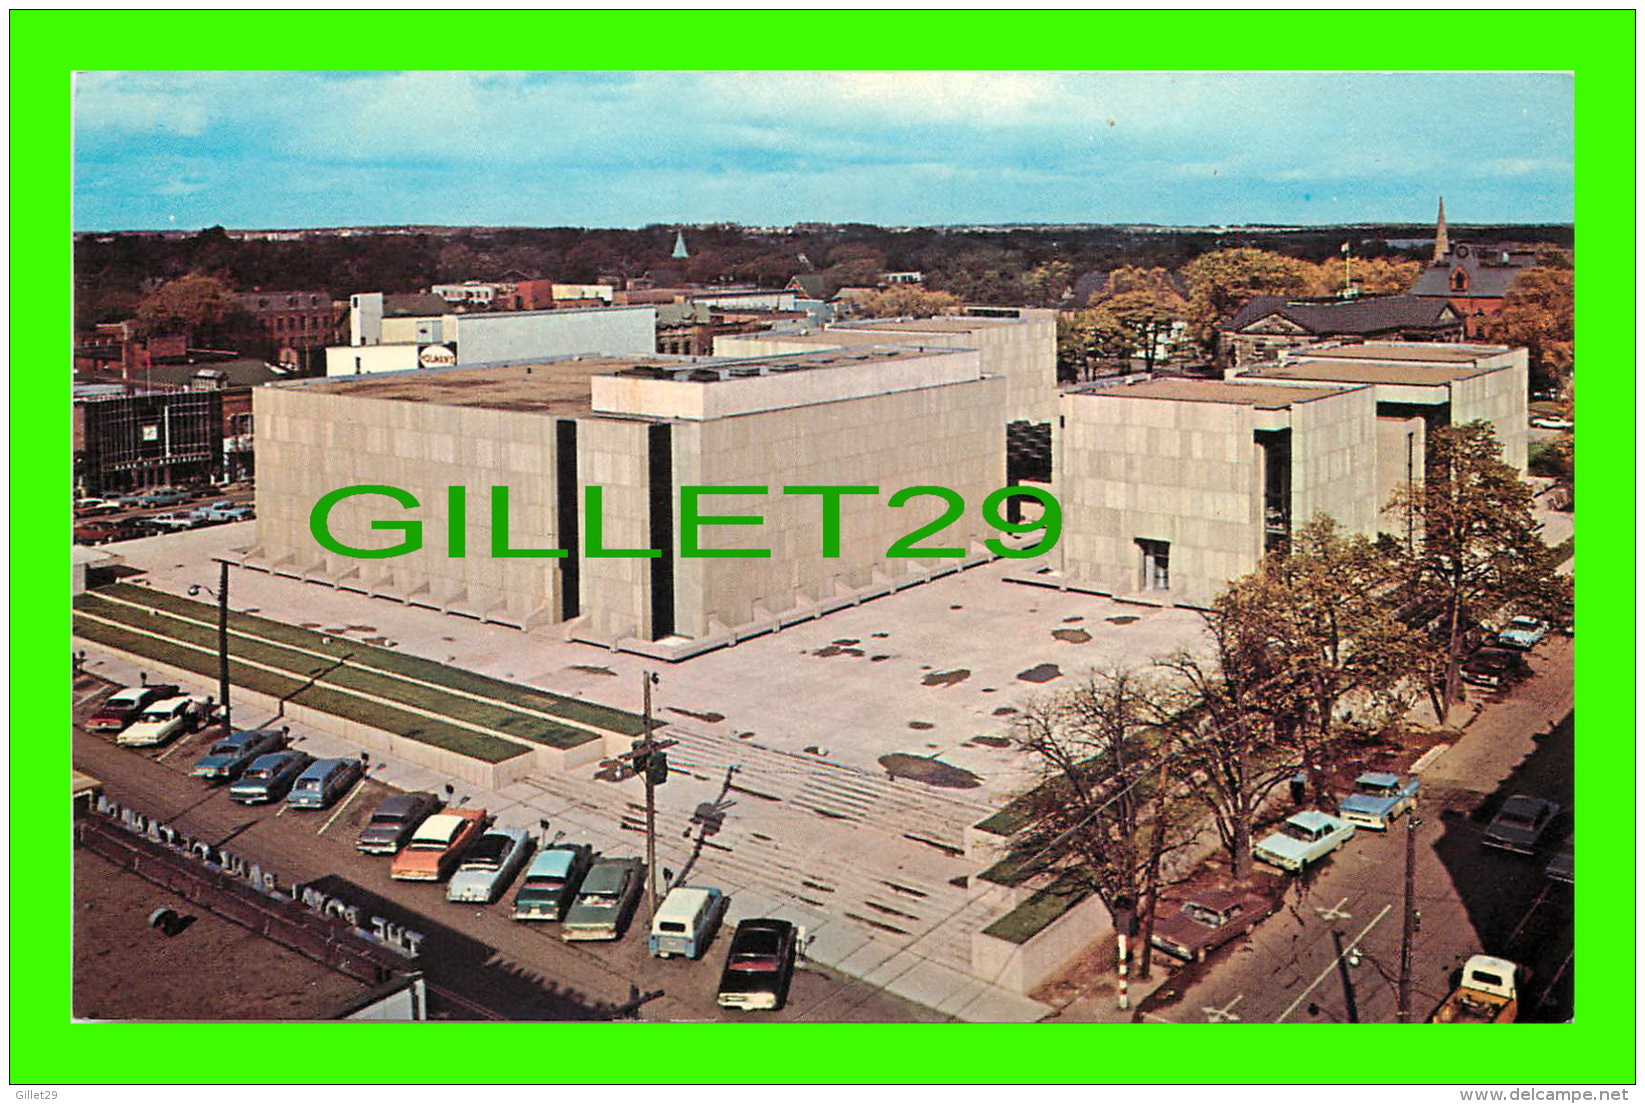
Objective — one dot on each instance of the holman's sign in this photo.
(377, 929)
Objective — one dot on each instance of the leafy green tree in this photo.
(1044, 285)
(1479, 553)
(1539, 312)
(1223, 281)
(904, 300)
(203, 306)
(1085, 339)
(1325, 608)
(1147, 317)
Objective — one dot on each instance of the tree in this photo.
(1225, 722)
(1325, 606)
(1539, 312)
(1099, 746)
(1223, 281)
(1147, 317)
(1045, 285)
(202, 306)
(904, 300)
(1479, 552)
(1086, 336)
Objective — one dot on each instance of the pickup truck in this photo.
(1378, 799)
(1487, 993)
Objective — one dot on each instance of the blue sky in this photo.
(264, 149)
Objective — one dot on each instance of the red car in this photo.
(437, 845)
(123, 706)
(1191, 929)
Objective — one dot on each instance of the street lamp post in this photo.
(222, 640)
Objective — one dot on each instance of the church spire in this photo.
(1442, 242)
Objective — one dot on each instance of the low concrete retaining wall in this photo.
(1023, 967)
(476, 772)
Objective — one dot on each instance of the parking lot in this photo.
(524, 969)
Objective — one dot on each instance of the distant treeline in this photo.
(978, 265)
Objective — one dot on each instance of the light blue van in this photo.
(323, 782)
(686, 921)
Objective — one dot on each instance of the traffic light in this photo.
(640, 757)
(657, 768)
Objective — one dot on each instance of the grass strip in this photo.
(384, 659)
(482, 714)
(424, 730)
(1038, 912)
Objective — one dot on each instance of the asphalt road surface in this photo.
(1332, 952)
(517, 965)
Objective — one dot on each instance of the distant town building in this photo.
(1472, 277)
(291, 327)
(1269, 324)
(126, 442)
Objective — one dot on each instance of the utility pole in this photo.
(647, 678)
(1345, 959)
(222, 645)
(1409, 933)
(221, 594)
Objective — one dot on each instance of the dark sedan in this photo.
(1495, 668)
(1520, 824)
(759, 965)
(394, 821)
(230, 756)
(269, 778)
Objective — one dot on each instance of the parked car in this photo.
(1206, 920)
(98, 532)
(269, 778)
(1304, 838)
(606, 901)
(490, 865)
(551, 881)
(172, 523)
(1553, 423)
(1520, 824)
(437, 845)
(162, 496)
(94, 507)
(1379, 798)
(123, 706)
(230, 756)
(686, 921)
(1495, 668)
(1562, 867)
(221, 511)
(1524, 633)
(324, 781)
(395, 819)
(164, 720)
(759, 965)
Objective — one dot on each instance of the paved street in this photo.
(1299, 965)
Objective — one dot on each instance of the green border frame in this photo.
(47, 1049)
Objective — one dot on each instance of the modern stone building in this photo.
(638, 429)
(1018, 344)
(1172, 487)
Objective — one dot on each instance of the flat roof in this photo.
(724, 369)
(548, 387)
(943, 323)
(1443, 352)
(1263, 396)
(1352, 371)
